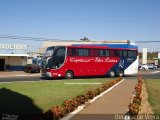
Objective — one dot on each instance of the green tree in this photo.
(84, 39)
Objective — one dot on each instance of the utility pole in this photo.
(144, 56)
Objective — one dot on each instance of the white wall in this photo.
(158, 55)
(14, 60)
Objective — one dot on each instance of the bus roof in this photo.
(111, 46)
(87, 46)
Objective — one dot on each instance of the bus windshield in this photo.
(47, 56)
(56, 58)
(49, 51)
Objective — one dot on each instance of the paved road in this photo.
(151, 74)
(114, 102)
(20, 78)
(37, 77)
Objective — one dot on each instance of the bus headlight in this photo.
(59, 75)
(48, 74)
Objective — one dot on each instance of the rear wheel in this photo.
(120, 73)
(69, 75)
(143, 68)
(29, 71)
(112, 73)
(154, 68)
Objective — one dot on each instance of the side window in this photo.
(131, 53)
(93, 53)
(103, 53)
(71, 52)
(106, 52)
(118, 53)
(111, 52)
(124, 53)
(83, 52)
(60, 52)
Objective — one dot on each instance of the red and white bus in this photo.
(90, 60)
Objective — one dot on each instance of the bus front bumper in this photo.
(49, 74)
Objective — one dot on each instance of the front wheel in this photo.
(143, 68)
(69, 75)
(29, 71)
(154, 68)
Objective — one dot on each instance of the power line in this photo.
(26, 38)
(154, 41)
(50, 39)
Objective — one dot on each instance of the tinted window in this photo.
(60, 52)
(132, 54)
(124, 53)
(118, 53)
(71, 52)
(83, 52)
(104, 53)
(93, 53)
(49, 51)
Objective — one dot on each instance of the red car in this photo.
(32, 68)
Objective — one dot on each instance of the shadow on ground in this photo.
(16, 106)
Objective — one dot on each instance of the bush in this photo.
(136, 100)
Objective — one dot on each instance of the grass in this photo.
(44, 94)
(153, 89)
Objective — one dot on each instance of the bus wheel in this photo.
(69, 75)
(29, 71)
(112, 73)
(120, 73)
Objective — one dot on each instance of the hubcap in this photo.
(120, 74)
(112, 73)
(69, 75)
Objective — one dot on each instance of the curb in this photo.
(81, 107)
(20, 75)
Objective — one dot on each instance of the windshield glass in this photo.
(49, 52)
(44, 63)
(56, 58)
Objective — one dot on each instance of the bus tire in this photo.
(29, 71)
(69, 75)
(112, 73)
(120, 73)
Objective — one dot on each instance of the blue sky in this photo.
(134, 20)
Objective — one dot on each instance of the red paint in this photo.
(85, 66)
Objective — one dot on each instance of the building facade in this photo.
(13, 56)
